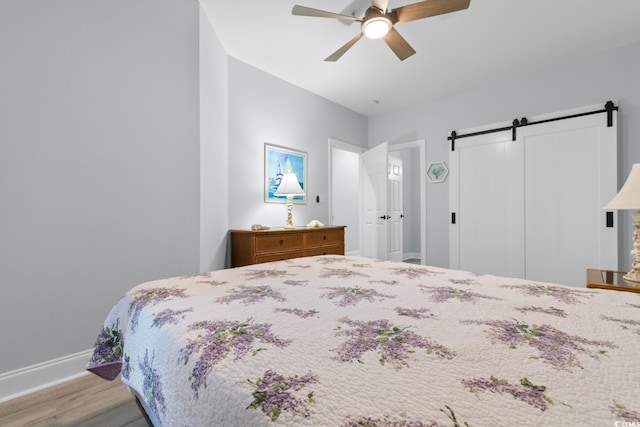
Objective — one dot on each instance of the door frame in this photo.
(421, 145)
(418, 143)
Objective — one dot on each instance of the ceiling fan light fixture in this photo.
(377, 27)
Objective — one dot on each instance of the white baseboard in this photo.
(46, 374)
(411, 255)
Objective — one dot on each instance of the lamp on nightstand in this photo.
(628, 198)
(289, 186)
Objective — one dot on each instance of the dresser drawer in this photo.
(325, 250)
(279, 242)
(268, 257)
(325, 237)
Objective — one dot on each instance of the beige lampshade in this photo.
(289, 186)
(629, 195)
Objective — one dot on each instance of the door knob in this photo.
(384, 217)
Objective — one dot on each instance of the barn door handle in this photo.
(609, 219)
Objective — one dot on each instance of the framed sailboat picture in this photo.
(277, 161)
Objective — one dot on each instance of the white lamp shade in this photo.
(289, 186)
(629, 195)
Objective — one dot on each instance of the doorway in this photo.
(345, 199)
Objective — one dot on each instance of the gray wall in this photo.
(99, 163)
(214, 151)
(119, 121)
(612, 75)
(262, 109)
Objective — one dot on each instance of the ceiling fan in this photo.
(378, 22)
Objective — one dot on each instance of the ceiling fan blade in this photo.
(381, 5)
(338, 53)
(427, 8)
(398, 44)
(307, 11)
(355, 8)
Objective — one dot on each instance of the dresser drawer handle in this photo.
(324, 237)
(281, 242)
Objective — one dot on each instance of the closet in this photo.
(526, 197)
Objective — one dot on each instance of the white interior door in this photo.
(395, 206)
(488, 202)
(374, 202)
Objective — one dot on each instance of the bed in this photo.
(349, 341)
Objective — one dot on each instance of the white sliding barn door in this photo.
(532, 207)
(373, 179)
(570, 173)
(488, 201)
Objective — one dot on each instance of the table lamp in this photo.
(628, 198)
(289, 186)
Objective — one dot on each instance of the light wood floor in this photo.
(88, 401)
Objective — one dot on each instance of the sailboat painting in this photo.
(276, 159)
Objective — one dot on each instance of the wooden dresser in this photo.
(254, 247)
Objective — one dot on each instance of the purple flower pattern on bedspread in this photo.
(169, 317)
(296, 282)
(151, 296)
(526, 391)
(108, 345)
(464, 281)
(215, 340)
(416, 313)
(252, 294)
(566, 295)
(341, 273)
(265, 274)
(554, 346)
(634, 325)
(445, 293)
(298, 312)
(551, 311)
(352, 296)
(212, 282)
(349, 341)
(413, 272)
(393, 343)
(275, 393)
(333, 260)
(625, 414)
(152, 386)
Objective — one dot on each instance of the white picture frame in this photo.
(437, 172)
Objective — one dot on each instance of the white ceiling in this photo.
(491, 40)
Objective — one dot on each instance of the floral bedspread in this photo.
(347, 341)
